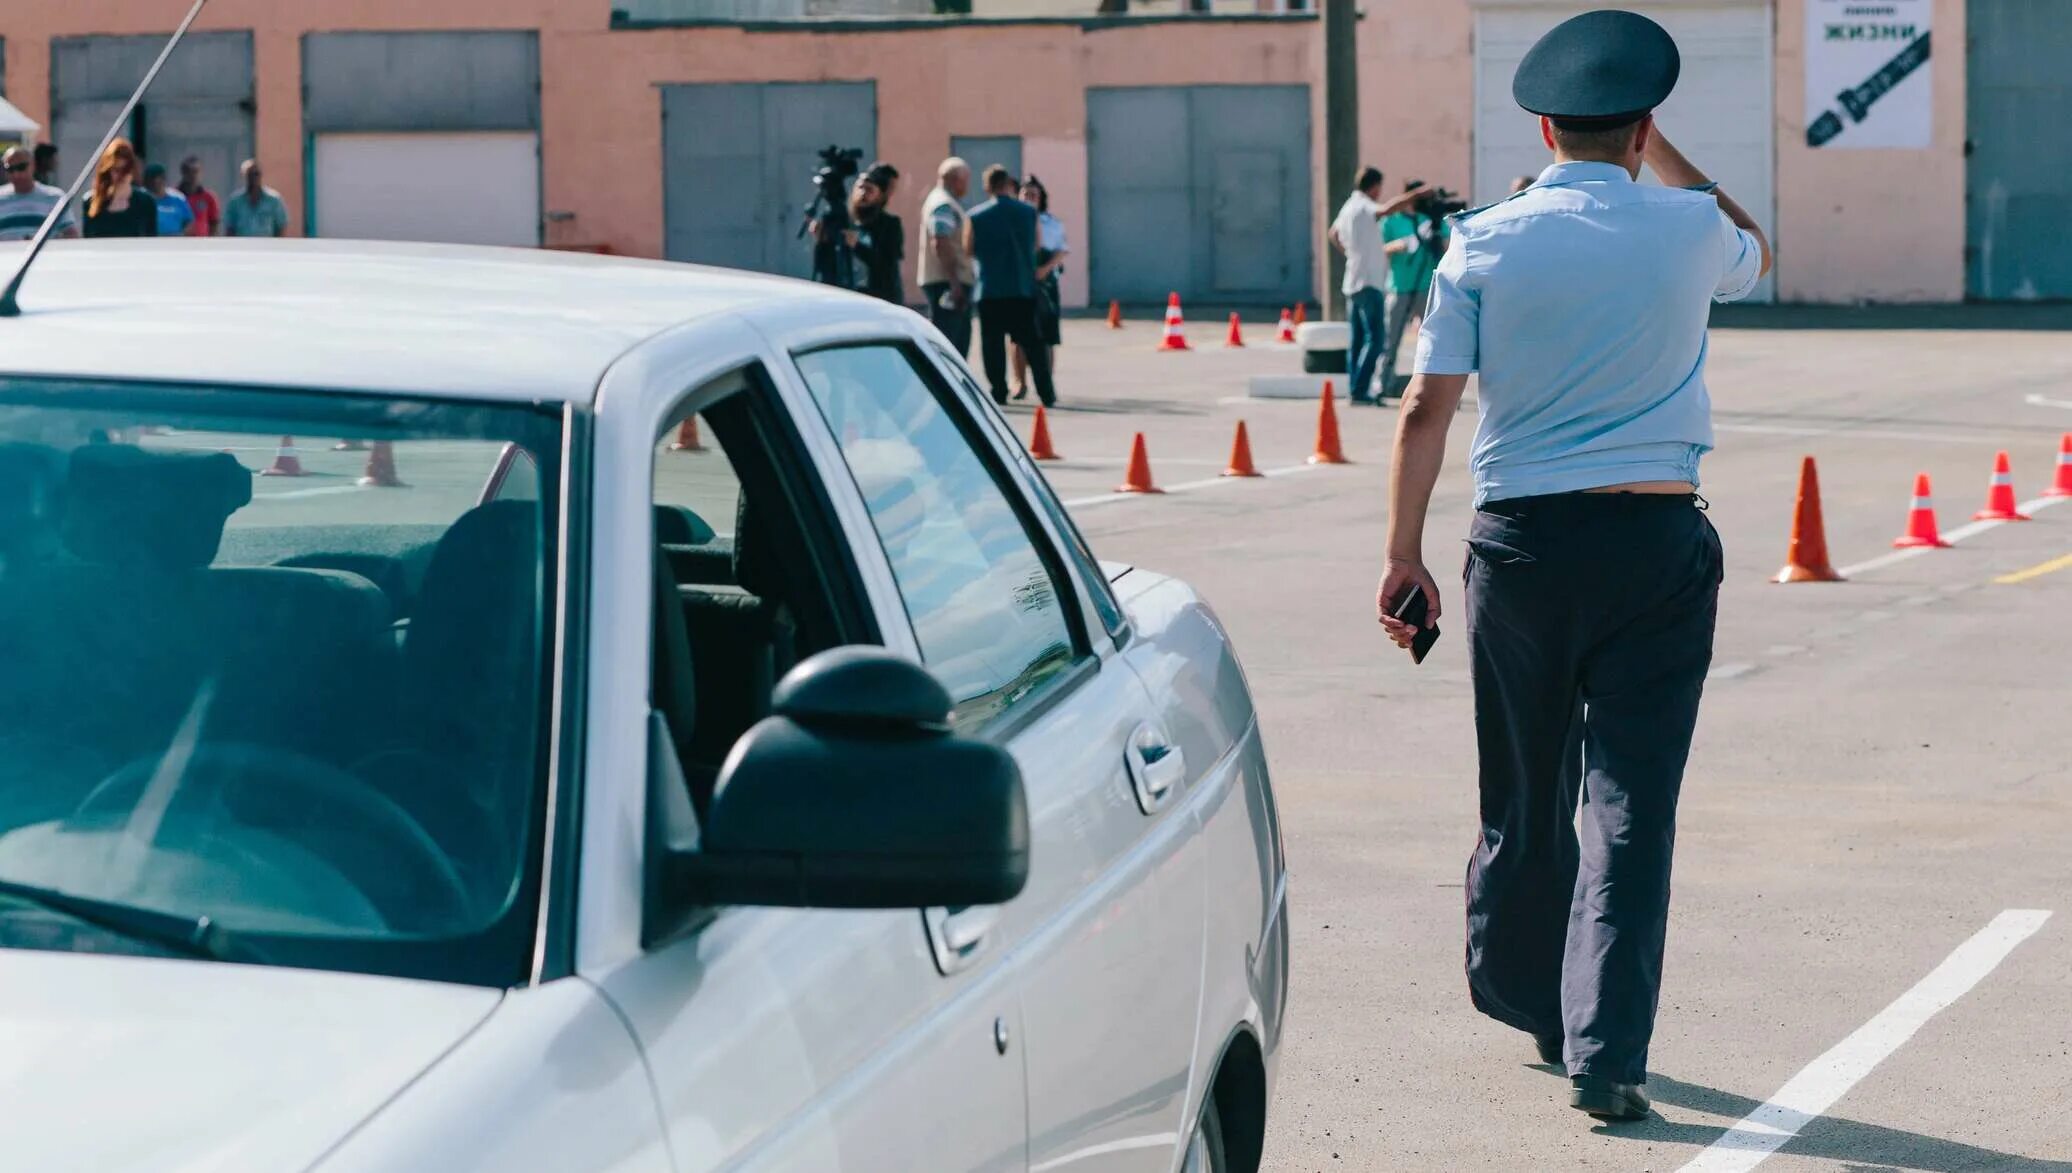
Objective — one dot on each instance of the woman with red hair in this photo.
(118, 206)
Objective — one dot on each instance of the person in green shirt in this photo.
(1413, 242)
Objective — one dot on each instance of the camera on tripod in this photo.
(1437, 203)
(827, 216)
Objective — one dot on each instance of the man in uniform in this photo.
(1592, 575)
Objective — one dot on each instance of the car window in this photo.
(695, 479)
(292, 686)
(1076, 549)
(986, 609)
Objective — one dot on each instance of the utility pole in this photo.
(1341, 133)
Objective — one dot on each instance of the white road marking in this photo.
(1729, 671)
(1969, 529)
(1851, 433)
(326, 491)
(1188, 486)
(2046, 401)
(1814, 1090)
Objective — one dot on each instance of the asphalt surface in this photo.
(1880, 771)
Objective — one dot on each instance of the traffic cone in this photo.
(1138, 478)
(1175, 337)
(1328, 450)
(1237, 337)
(287, 462)
(1241, 455)
(349, 446)
(1806, 560)
(1115, 315)
(1300, 313)
(2000, 504)
(1921, 530)
(2062, 486)
(1039, 438)
(687, 437)
(1287, 330)
(380, 472)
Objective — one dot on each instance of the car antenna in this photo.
(9, 308)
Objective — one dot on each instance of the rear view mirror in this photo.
(856, 794)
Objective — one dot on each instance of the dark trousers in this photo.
(955, 324)
(1366, 320)
(1590, 621)
(1002, 318)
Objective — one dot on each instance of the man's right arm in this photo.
(1670, 166)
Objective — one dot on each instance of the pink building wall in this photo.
(1854, 225)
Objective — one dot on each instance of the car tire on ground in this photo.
(1205, 1150)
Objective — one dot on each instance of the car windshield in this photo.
(269, 661)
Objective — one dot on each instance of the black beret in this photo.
(1606, 67)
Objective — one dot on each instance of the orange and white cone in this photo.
(1286, 333)
(1301, 313)
(1115, 315)
(2062, 486)
(287, 461)
(1175, 333)
(687, 437)
(2000, 503)
(381, 467)
(1921, 529)
(1039, 438)
(1237, 337)
(1806, 559)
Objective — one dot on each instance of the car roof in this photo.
(443, 320)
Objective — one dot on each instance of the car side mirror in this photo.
(854, 793)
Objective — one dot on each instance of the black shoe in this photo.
(1550, 1049)
(1361, 400)
(1607, 1099)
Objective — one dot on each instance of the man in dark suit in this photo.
(1001, 238)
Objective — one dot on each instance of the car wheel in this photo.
(1205, 1149)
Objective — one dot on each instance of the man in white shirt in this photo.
(1356, 232)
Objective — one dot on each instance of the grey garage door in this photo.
(981, 151)
(1200, 190)
(200, 105)
(738, 160)
(2019, 175)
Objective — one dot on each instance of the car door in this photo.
(797, 1039)
(1111, 977)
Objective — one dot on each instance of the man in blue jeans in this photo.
(1356, 232)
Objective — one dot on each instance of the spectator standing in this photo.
(208, 210)
(1413, 242)
(175, 218)
(945, 271)
(1050, 261)
(878, 237)
(1356, 232)
(25, 203)
(117, 206)
(47, 165)
(1002, 234)
(257, 210)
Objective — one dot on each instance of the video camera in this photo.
(827, 216)
(1437, 203)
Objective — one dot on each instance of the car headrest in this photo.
(753, 571)
(676, 525)
(129, 506)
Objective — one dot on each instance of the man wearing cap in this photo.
(1592, 574)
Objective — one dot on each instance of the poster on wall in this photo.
(1868, 78)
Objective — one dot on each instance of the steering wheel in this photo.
(272, 786)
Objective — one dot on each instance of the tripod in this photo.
(1431, 246)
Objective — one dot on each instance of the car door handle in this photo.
(956, 936)
(1156, 767)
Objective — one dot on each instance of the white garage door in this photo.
(469, 187)
(1720, 113)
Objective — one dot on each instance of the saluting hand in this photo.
(1397, 579)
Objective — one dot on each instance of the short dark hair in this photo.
(1591, 140)
(46, 154)
(1368, 177)
(154, 171)
(996, 175)
(1042, 192)
(1412, 184)
(881, 173)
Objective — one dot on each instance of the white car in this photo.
(675, 728)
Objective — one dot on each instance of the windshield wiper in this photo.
(185, 936)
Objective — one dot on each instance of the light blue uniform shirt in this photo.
(1581, 303)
